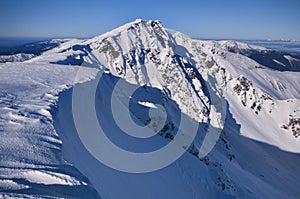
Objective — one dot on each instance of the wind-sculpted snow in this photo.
(232, 122)
(31, 161)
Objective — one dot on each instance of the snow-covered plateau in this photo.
(241, 101)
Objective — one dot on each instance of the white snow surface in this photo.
(30, 147)
(255, 156)
(147, 104)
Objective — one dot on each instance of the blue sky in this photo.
(236, 19)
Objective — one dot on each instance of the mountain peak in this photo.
(138, 23)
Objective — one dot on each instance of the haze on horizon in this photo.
(232, 19)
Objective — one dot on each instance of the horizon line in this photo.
(89, 37)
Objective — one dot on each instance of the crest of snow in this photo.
(11, 185)
(278, 62)
(147, 104)
(47, 178)
(291, 59)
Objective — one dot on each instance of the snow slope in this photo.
(31, 164)
(254, 92)
(253, 109)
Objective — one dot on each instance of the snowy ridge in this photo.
(234, 46)
(258, 148)
(16, 58)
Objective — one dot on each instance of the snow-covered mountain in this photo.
(20, 53)
(20, 57)
(244, 113)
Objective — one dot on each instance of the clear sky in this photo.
(236, 19)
